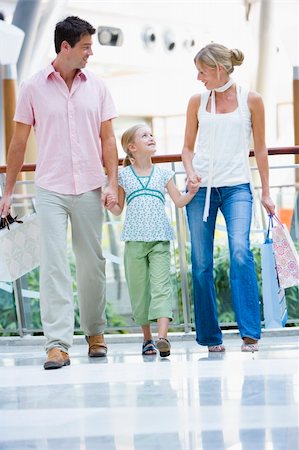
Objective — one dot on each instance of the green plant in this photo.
(222, 285)
(8, 319)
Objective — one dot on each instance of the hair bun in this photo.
(237, 57)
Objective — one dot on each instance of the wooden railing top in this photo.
(178, 157)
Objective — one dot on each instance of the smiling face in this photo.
(211, 77)
(77, 56)
(144, 142)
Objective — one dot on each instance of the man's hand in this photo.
(109, 196)
(5, 204)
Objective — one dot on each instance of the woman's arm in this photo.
(256, 107)
(190, 137)
(118, 208)
(177, 197)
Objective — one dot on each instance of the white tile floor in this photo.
(189, 401)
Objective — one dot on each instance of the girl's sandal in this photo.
(216, 348)
(163, 345)
(148, 348)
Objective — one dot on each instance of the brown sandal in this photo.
(163, 345)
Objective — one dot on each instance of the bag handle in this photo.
(277, 219)
(270, 226)
(268, 239)
(8, 220)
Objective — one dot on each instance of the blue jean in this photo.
(235, 203)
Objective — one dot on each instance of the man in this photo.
(71, 111)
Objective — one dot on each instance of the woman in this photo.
(222, 119)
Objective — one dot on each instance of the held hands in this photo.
(109, 196)
(109, 202)
(193, 183)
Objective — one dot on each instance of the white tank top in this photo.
(231, 144)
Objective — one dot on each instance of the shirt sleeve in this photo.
(168, 174)
(108, 110)
(24, 109)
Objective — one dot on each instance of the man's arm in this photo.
(15, 160)
(110, 161)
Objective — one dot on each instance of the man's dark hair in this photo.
(71, 29)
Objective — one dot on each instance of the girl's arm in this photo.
(190, 137)
(118, 208)
(177, 197)
(256, 107)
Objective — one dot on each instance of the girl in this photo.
(147, 233)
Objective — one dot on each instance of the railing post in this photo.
(17, 290)
(2, 182)
(183, 265)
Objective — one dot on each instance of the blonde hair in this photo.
(128, 138)
(215, 55)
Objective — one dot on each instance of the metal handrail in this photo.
(171, 158)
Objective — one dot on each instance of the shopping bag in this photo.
(274, 300)
(286, 256)
(19, 248)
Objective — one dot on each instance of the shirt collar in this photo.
(49, 70)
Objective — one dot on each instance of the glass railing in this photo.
(19, 300)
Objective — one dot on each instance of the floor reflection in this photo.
(190, 401)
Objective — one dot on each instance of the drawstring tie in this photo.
(223, 88)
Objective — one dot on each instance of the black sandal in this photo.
(149, 346)
(163, 345)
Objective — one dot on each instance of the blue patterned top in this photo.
(146, 218)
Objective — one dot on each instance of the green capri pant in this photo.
(147, 269)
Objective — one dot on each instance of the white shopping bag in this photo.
(286, 256)
(19, 249)
(274, 300)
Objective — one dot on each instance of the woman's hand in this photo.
(193, 183)
(268, 204)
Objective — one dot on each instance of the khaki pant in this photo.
(56, 293)
(147, 269)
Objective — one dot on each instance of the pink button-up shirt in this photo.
(67, 126)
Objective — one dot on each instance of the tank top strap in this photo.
(243, 97)
(204, 98)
